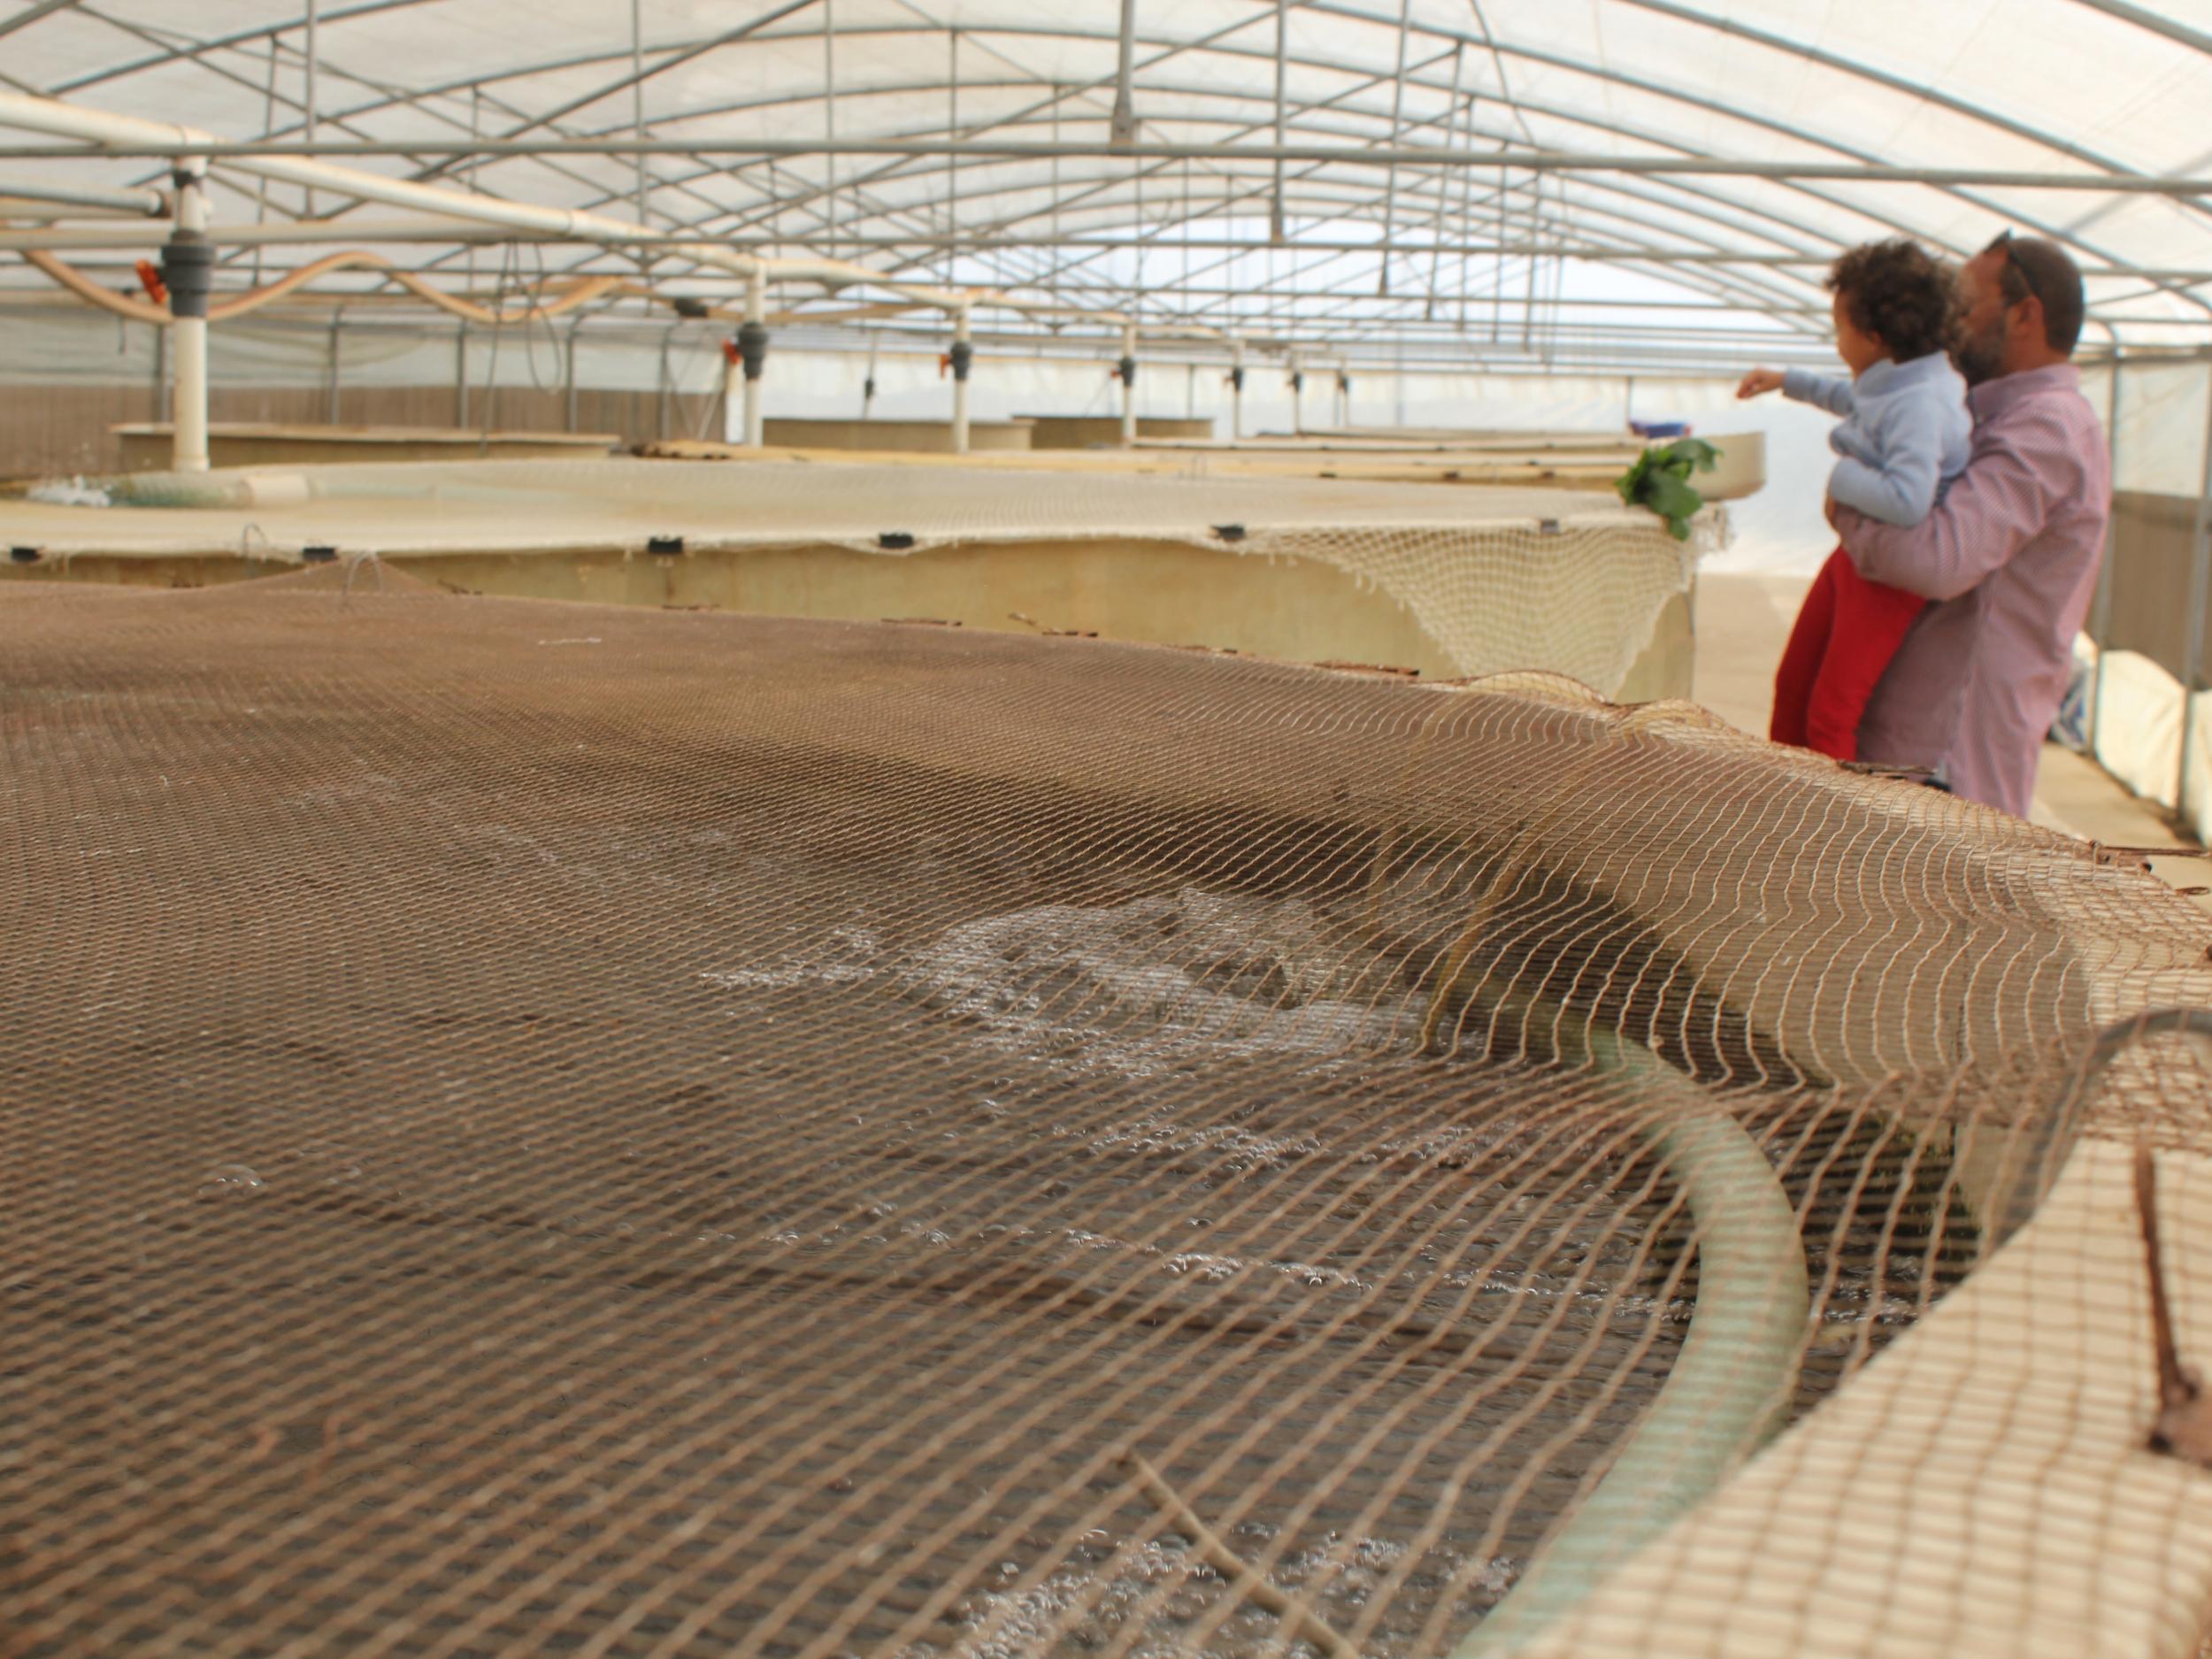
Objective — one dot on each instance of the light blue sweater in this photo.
(1904, 436)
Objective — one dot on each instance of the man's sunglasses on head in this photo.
(2015, 262)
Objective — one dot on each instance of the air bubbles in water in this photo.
(229, 1181)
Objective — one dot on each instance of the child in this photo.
(1903, 439)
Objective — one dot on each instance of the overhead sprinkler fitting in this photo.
(752, 347)
(960, 358)
(1236, 388)
(1126, 369)
(742, 419)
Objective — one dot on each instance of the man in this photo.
(2010, 553)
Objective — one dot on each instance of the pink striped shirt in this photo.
(2010, 556)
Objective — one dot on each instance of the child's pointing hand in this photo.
(1760, 381)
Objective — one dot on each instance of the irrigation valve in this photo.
(149, 279)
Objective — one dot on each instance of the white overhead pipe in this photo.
(101, 127)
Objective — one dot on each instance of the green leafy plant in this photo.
(1661, 481)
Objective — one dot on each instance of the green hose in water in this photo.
(1730, 1384)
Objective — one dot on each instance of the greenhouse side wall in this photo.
(2149, 630)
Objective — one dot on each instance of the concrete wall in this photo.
(50, 431)
(1157, 592)
(1081, 432)
(919, 437)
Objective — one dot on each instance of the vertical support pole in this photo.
(660, 409)
(637, 97)
(1190, 391)
(734, 423)
(952, 132)
(2200, 593)
(962, 355)
(1186, 271)
(1282, 64)
(1535, 207)
(268, 130)
(829, 118)
(1057, 262)
(1444, 190)
(1297, 395)
(461, 376)
(187, 269)
(1128, 385)
(2101, 608)
(752, 351)
(337, 362)
(569, 387)
(475, 165)
(1236, 387)
(1497, 273)
(308, 99)
(1397, 131)
(161, 373)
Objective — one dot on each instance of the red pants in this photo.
(1845, 634)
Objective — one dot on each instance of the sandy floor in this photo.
(1742, 622)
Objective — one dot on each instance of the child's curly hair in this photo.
(1899, 293)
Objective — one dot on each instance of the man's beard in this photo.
(1980, 356)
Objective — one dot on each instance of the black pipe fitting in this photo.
(1236, 380)
(961, 355)
(1128, 370)
(188, 271)
(752, 347)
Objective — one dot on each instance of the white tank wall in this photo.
(1780, 529)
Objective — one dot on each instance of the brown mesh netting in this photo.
(537, 1128)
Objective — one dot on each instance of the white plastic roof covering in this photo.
(2092, 88)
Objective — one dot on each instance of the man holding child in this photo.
(2004, 549)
